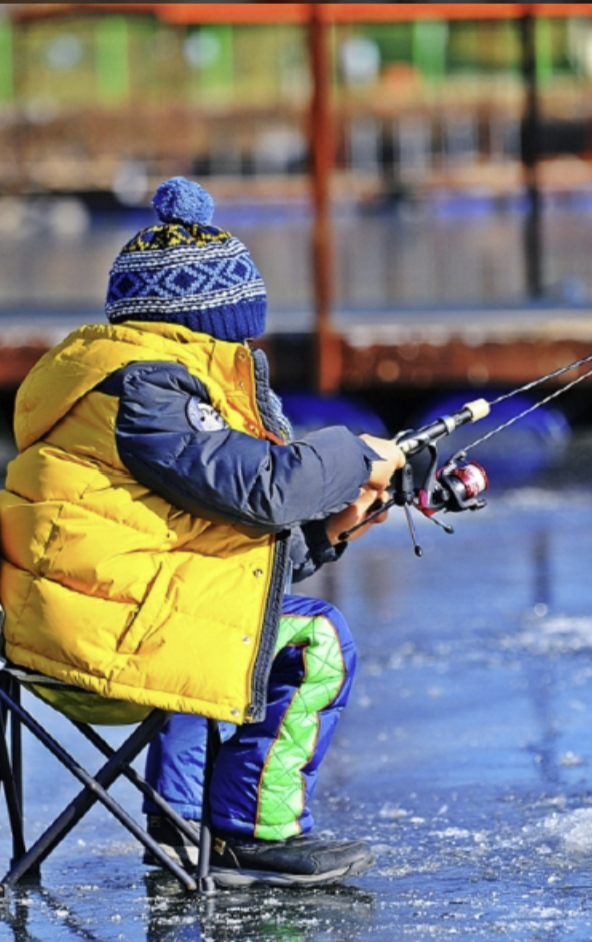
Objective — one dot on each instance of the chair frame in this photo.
(13, 716)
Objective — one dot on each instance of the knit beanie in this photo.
(187, 271)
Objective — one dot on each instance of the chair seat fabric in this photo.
(83, 706)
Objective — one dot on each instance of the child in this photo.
(151, 526)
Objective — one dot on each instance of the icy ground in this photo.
(465, 757)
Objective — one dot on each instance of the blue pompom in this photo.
(179, 200)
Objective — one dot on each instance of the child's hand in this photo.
(354, 514)
(392, 459)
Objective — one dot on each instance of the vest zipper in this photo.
(255, 711)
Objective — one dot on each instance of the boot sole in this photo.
(236, 878)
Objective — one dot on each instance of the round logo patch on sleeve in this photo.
(203, 417)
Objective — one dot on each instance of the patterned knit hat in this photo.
(187, 271)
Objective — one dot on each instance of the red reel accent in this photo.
(473, 477)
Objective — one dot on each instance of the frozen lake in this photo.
(464, 758)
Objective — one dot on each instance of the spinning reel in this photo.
(452, 488)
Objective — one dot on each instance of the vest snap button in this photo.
(235, 712)
(246, 640)
(258, 573)
(241, 385)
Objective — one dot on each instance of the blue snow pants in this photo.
(266, 772)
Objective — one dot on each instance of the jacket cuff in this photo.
(321, 549)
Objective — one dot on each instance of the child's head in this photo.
(186, 271)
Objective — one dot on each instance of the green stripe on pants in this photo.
(281, 794)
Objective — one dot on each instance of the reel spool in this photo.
(462, 484)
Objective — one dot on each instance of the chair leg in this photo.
(16, 744)
(11, 766)
(94, 790)
(205, 882)
(11, 777)
(141, 784)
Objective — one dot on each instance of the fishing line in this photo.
(543, 379)
(536, 405)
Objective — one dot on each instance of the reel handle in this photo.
(411, 443)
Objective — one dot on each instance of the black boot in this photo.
(298, 861)
(172, 841)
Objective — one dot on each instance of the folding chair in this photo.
(13, 717)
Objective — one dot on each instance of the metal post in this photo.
(328, 366)
(205, 882)
(530, 157)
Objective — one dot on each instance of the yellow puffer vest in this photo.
(106, 585)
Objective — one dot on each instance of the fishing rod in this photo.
(456, 486)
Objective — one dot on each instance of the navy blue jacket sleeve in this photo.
(222, 472)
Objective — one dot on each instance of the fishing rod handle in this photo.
(413, 442)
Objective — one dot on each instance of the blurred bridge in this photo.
(424, 349)
(434, 349)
